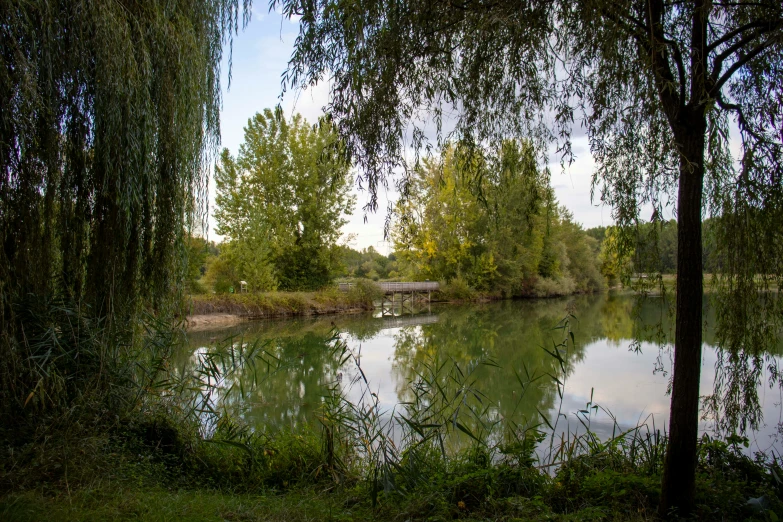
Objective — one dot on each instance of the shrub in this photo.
(456, 290)
(546, 287)
(366, 291)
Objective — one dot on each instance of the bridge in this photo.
(404, 294)
(400, 288)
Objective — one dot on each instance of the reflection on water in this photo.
(627, 378)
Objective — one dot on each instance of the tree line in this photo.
(282, 201)
(487, 220)
(490, 219)
(651, 248)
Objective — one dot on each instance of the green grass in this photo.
(137, 481)
(669, 281)
(603, 496)
(160, 504)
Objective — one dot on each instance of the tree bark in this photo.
(678, 487)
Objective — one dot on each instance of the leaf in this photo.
(466, 431)
(546, 420)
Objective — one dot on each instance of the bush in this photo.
(456, 290)
(366, 291)
(546, 287)
(279, 461)
(69, 367)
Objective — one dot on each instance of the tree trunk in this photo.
(678, 488)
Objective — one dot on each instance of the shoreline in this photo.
(219, 311)
(223, 311)
(196, 323)
(209, 321)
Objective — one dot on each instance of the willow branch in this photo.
(736, 32)
(718, 62)
(660, 64)
(718, 85)
(742, 120)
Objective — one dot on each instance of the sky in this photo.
(260, 55)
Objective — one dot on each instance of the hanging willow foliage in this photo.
(109, 117)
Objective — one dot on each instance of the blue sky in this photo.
(260, 56)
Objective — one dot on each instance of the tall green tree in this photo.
(656, 85)
(491, 220)
(282, 201)
(109, 115)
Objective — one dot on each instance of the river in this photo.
(619, 360)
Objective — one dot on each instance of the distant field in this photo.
(670, 281)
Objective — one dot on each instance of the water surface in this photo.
(620, 359)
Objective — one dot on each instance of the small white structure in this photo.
(243, 287)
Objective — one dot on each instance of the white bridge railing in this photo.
(389, 288)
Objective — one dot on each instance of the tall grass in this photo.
(66, 365)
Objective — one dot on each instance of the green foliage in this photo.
(651, 248)
(625, 478)
(198, 251)
(615, 257)
(492, 222)
(367, 263)
(366, 291)
(220, 275)
(456, 290)
(110, 118)
(65, 371)
(281, 203)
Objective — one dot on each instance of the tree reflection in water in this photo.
(513, 334)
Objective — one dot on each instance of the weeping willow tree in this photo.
(109, 116)
(658, 86)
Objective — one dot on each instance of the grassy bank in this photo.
(660, 283)
(323, 302)
(290, 477)
(331, 300)
(282, 304)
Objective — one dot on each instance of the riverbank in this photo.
(293, 480)
(667, 283)
(225, 310)
(222, 310)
